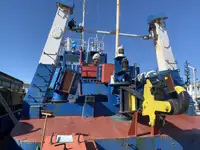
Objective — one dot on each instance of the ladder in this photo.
(9, 111)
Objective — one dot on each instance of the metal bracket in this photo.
(50, 55)
(89, 99)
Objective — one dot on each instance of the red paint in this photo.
(107, 71)
(89, 71)
(81, 57)
(77, 144)
(99, 127)
(134, 125)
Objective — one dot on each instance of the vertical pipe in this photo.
(117, 28)
(195, 91)
(83, 23)
(194, 96)
(121, 104)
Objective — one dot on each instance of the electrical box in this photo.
(107, 71)
(89, 72)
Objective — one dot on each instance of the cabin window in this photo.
(72, 59)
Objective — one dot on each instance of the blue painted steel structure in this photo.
(65, 90)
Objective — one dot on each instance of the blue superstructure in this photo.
(101, 106)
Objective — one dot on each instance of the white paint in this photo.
(56, 32)
(195, 93)
(55, 36)
(68, 44)
(120, 54)
(83, 24)
(112, 80)
(117, 28)
(64, 139)
(164, 50)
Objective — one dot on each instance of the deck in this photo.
(100, 127)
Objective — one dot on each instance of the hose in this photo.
(181, 104)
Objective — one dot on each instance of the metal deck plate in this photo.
(64, 139)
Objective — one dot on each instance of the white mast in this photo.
(194, 87)
(117, 28)
(83, 23)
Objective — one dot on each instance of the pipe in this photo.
(117, 28)
(83, 24)
(113, 33)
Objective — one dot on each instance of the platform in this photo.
(177, 128)
(99, 127)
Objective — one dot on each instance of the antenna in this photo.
(187, 73)
(117, 28)
(83, 23)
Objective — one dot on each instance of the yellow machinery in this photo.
(151, 106)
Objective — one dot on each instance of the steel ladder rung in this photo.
(7, 108)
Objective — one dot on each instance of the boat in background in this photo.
(193, 87)
(12, 91)
(191, 90)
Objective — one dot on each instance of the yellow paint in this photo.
(150, 105)
(179, 89)
(132, 102)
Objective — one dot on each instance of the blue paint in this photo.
(99, 72)
(73, 44)
(149, 143)
(191, 110)
(55, 78)
(34, 111)
(107, 108)
(59, 97)
(98, 98)
(151, 18)
(88, 110)
(68, 3)
(59, 80)
(27, 145)
(39, 84)
(75, 68)
(94, 88)
(65, 109)
(118, 64)
(175, 75)
(104, 100)
(72, 59)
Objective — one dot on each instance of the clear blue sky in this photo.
(25, 24)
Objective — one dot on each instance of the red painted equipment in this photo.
(107, 71)
(89, 71)
(136, 119)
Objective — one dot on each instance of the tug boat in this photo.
(78, 101)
